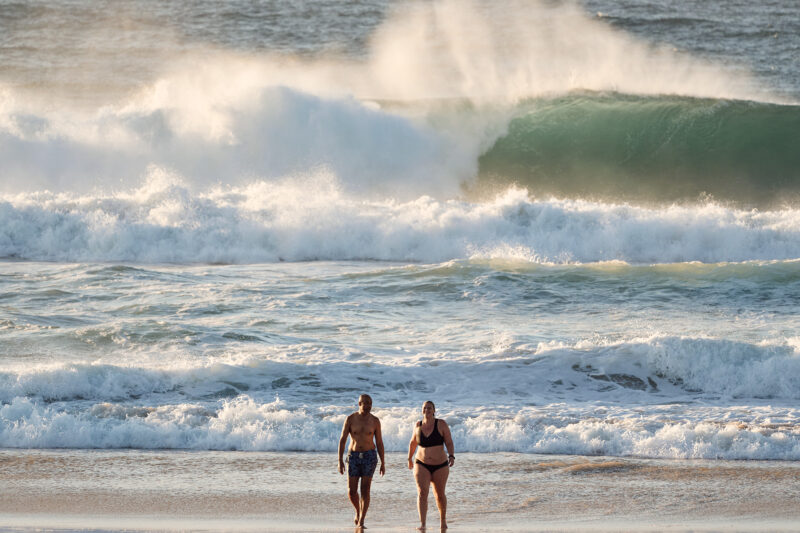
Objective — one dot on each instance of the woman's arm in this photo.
(448, 441)
(412, 447)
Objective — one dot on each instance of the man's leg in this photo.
(352, 486)
(366, 483)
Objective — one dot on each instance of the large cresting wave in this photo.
(439, 83)
(651, 149)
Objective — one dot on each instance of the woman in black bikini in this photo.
(432, 465)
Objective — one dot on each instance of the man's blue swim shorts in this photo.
(362, 463)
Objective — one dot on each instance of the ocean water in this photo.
(574, 226)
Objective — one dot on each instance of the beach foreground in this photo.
(238, 491)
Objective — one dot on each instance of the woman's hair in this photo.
(429, 402)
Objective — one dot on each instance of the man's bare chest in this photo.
(362, 427)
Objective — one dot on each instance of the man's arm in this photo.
(379, 444)
(343, 441)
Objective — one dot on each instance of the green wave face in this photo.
(650, 149)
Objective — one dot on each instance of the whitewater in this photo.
(575, 228)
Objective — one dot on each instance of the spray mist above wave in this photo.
(504, 52)
(313, 219)
(475, 49)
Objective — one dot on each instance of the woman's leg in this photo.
(439, 480)
(423, 479)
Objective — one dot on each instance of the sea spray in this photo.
(280, 133)
(491, 52)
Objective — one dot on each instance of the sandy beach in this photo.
(134, 490)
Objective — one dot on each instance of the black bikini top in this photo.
(434, 439)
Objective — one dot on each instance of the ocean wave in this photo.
(651, 149)
(245, 424)
(313, 219)
(267, 134)
(438, 86)
(611, 147)
(660, 368)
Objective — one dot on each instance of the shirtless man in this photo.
(366, 445)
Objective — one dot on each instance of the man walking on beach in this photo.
(366, 445)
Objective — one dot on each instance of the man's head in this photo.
(364, 403)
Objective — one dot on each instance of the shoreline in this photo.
(137, 490)
(91, 524)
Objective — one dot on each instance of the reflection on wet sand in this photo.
(109, 489)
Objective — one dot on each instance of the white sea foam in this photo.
(311, 218)
(655, 397)
(278, 132)
(244, 424)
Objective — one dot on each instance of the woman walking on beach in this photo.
(432, 465)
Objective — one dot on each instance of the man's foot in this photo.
(355, 520)
(421, 528)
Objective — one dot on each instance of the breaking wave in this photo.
(651, 149)
(313, 219)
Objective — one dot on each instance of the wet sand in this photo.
(80, 490)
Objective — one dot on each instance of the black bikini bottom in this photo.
(432, 468)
